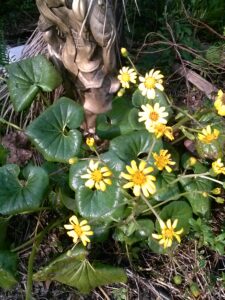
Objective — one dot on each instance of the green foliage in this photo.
(204, 232)
(29, 77)
(72, 268)
(55, 133)
(8, 269)
(24, 194)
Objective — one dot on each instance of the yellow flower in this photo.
(161, 129)
(79, 231)
(218, 167)
(97, 177)
(126, 76)
(168, 233)
(163, 160)
(152, 115)
(150, 82)
(207, 135)
(220, 103)
(139, 179)
(124, 52)
(90, 141)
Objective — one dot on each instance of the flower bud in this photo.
(90, 141)
(177, 279)
(121, 92)
(192, 161)
(124, 52)
(73, 160)
(219, 200)
(216, 191)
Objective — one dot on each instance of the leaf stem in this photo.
(10, 124)
(151, 149)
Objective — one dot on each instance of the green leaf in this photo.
(180, 210)
(17, 196)
(72, 268)
(8, 269)
(54, 132)
(28, 77)
(164, 191)
(132, 145)
(138, 99)
(115, 122)
(92, 203)
(133, 120)
(200, 204)
(135, 231)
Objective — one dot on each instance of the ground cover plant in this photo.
(141, 188)
(142, 197)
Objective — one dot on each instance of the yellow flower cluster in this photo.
(163, 160)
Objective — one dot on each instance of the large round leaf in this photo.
(92, 203)
(72, 268)
(54, 132)
(8, 269)
(17, 196)
(28, 77)
(130, 146)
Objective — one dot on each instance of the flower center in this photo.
(96, 175)
(162, 161)
(168, 233)
(125, 77)
(209, 138)
(139, 178)
(150, 82)
(78, 230)
(154, 116)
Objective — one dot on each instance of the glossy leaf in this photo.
(8, 269)
(54, 132)
(72, 268)
(92, 203)
(17, 196)
(133, 120)
(180, 210)
(115, 122)
(164, 190)
(28, 77)
(132, 145)
(195, 187)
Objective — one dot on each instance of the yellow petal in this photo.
(74, 220)
(142, 165)
(90, 183)
(156, 236)
(175, 223)
(134, 165)
(68, 226)
(128, 185)
(83, 222)
(137, 190)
